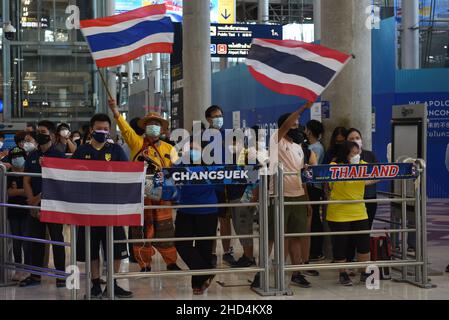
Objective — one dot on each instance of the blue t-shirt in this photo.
(32, 165)
(198, 194)
(109, 152)
(318, 149)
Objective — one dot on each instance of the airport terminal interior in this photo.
(379, 66)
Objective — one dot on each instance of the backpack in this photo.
(380, 248)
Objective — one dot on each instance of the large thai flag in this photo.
(121, 38)
(92, 193)
(294, 67)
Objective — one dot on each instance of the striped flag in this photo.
(92, 193)
(294, 67)
(121, 38)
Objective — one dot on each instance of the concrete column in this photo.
(263, 12)
(344, 29)
(6, 59)
(142, 68)
(196, 60)
(317, 19)
(130, 72)
(410, 35)
(156, 70)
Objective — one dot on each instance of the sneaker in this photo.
(214, 260)
(411, 250)
(95, 292)
(256, 281)
(119, 292)
(299, 280)
(146, 269)
(60, 283)
(173, 267)
(244, 262)
(345, 280)
(447, 268)
(229, 259)
(30, 281)
(351, 273)
(364, 276)
(312, 273)
(314, 258)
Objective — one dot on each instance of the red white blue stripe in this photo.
(92, 193)
(121, 38)
(294, 67)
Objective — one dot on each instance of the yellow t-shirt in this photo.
(347, 190)
(162, 158)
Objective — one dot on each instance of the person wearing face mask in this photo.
(196, 222)
(63, 142)
(30, 143)
(33, 187)
(76, 138)
(349, 217)
(157, 154)
(100, 149)
(215, 119)
(18, 217)
(338, 137)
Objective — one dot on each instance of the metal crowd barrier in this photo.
(5, 265)
(420, 262)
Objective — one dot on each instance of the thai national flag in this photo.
(294, 67)
(121, 38)
(92, 193)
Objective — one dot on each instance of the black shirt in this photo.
(16, 213)
(109, 152)
(32, 165)
(369, 157)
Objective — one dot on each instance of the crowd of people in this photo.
(146, 140)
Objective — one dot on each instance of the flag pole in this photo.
(103, 80)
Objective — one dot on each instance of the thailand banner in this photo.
(380, 171)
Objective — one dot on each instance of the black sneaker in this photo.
(256, 281)
(299, 280)
(30, 281)
(447, 268)
(173, 267)
(60, 283)
(312, 273)
(214, 260)
(364, 276)
(95, 292)
(146, 269)
(229, 259)
(345, 280)
(244, 262)
(119, 292)
(315, 258)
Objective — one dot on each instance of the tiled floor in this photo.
(323, 288)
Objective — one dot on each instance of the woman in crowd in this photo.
(196, 222)
(18, 217)
(63, 143)
(338, 137)
(348, 217)
(76, 138)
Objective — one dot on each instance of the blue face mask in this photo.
(18, 162)
(100, 136)
(195, 155)
(217, 123)
(153, 131)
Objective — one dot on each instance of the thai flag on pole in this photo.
(124, 37)
(294, 67)
(92, 193)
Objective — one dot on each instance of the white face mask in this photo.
(64, 133)
(1, 144)
(355, 159)
(29, 147)
(359, 142)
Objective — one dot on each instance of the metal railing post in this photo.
(87, 262)
(418, 226)
(265, 279)
(404, 235)
(3, 228)
(281, 235)
(277, 254)
(110, 261)
(425, 270)
(73, 256)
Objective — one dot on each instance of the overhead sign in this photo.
(234, 40)
(226, 11)
(381, 171)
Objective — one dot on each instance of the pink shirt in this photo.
(292, 157)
